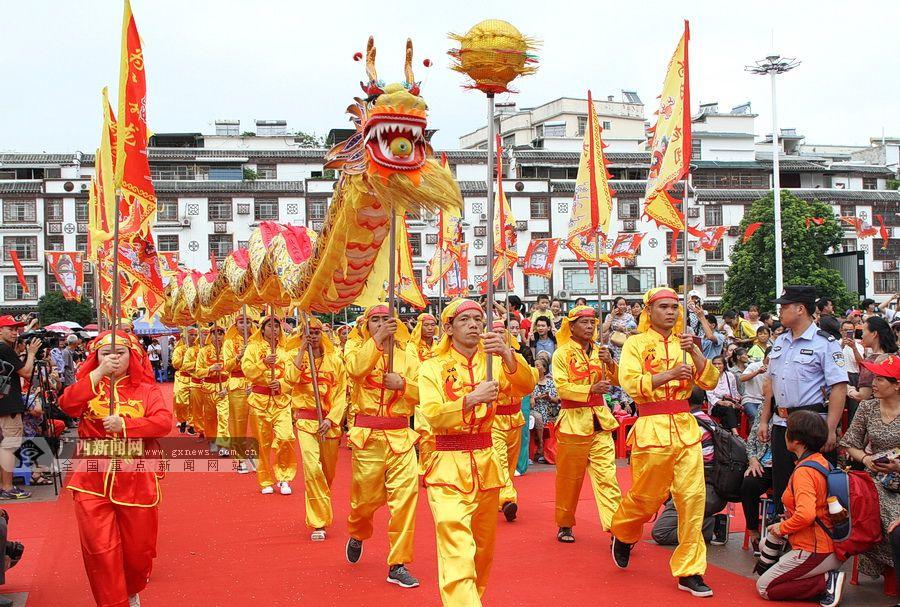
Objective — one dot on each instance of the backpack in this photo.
(729, 463)
(855, 490)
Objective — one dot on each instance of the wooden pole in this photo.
(392, 286)
(684, 287)
(599, 300)
(313, 372)
(116, 304)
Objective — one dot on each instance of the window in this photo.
(220, 245)
(679, 244)
(629, 208)
(554, 130)
(509, 142)
(577, 281)
(53, 210)
(167, 210)
(628, 281)
(177, 172)
(266, 171)
(717, 254)
(235, 173)
(166, 243)
(891, 253)
(695, 149)
(88, 289)
(220, 209)
(715, 285)
(538, 235)
(243, 244)
(265, 209)
(81, 242)
(848, 245)
(848, 210)
(887, 282)
(582, 125)
(540, 208)
(713, 214)
(316, 208)
(19, 211)
(81, 211)
(731, 179)
(54, 243)
(607, 125)
(25, 246)
(415, 243)
(870, 183)
(536, 285)
(12, 290)
(675, 278)
(414, 215)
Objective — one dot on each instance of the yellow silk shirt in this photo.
(229, 354)
(574, 372)
(181, 379)
(422, 351)
(259, 373)
(206, 358)
(332, 380)
(506, 397)
(190, 360)
(444, 381)
(366, 365)
(645, 355)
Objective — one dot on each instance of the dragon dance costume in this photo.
(463, 474)
(238, 388)
(422, 350)
(195, 392)
(213, 390)
(182, 388)
(116, 507)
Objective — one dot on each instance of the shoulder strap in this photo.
(709, 427)
(815, 466)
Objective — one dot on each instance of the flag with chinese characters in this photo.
(408, 288)
(141, 284)
(449, 228)
(440, 264)
(670, 143)
(592, 204)
(625, 247)
(707, 238)
(540, 257)
(68, 268)
(132, 163)
(457, 280)
(102, 197)
(378, 283)
(20, 272)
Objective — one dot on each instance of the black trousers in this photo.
(751, 491)
(783, 464)
(729, 416)
(894, 538)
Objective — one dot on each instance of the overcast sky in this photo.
(274, 59)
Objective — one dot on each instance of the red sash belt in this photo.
(594, 400)
(663, 407)
(462, 442)
(216, 379)
(264, 390)
(195, 380)
(376, 422)
(237, 374)
(508, 409)
(307, 414)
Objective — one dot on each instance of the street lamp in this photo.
(773, 65)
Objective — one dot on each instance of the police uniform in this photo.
(802, 371)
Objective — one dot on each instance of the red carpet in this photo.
(222, 543)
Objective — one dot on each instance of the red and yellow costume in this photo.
(238, 386)
(195, 392)
(116, 508)
(665, 442)
(463, 474)
(383, 457)
(422, 350)
(270, 410)
(213, 390)
(182, 389)
(584, 427)
(319, 456)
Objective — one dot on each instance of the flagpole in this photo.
(98, 296)
(313, 372)
(392, 285)
(684, 288)
(489, 295)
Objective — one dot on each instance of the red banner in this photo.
(626, 246)
(816, 220)
(68, 268)
(540, 257)
(457, 279)
(20, 273)
(863, 230)
(751, 230)
(708, 237)
(882, 231)
(168, 262)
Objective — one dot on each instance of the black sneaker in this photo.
(720, 530)
(695, 585)
(398, 574)
(182, 427)
(191, 431)
(834, 588)
(621, 553)
(354, 550)
(509, 511)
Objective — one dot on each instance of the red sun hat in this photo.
(889, 367)
(9, 321)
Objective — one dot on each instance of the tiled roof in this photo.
(185, 187)
(20, 187)
(571, 158)
(731, 164)
(634, 187)
(820, 194)
(30, 159)
(732, 135)
(195, 153)
(869, 169)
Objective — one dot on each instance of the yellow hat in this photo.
(258, 333)
(416, 336)
(453, 309)
(564, 335)
(651, 297)
(361, 330)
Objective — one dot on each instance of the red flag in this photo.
(708, 237)
(751, 230)
(816, 220)
(882, 231)
(458, 276)
(20, 273)
(863, 230)
(540, 257)
(626, 246)
(68, 267)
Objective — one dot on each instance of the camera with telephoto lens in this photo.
(48, 339)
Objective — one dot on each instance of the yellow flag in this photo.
(670, 144)
(407, 289)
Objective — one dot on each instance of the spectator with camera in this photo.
(12, 370)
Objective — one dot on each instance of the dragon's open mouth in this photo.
(396, 141)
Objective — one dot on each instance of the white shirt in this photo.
(756, 324)
(850, 360)
(753, 388)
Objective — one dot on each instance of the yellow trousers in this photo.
(466, 526)
(182, 402)
(275, 432)
(506, 445)
(238, 414)
(196, 398)
(380, 477)
(595, 454)
(215, 417)
(657, 471)
(319, 459)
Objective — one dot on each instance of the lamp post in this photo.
(774, 65)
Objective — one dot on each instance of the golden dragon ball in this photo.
(493, 53)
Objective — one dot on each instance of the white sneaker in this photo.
(242, 468)
(134, 601)
(285, 488)
(268, 490)
(318, 535)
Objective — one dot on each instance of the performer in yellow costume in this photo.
(319, 442)
(238, 390)
(665, 442)
(421, 345)
(189, 367)
(383, 460)
(506, 433)
(210, 367)
(463, 474)
(264, 364)
(583, 373)
(182, 391)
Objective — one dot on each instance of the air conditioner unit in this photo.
(186, 222)
(699, 279)
(562, 295)
(889, 265)
(734, 231)
(694, 213)
(629, 225)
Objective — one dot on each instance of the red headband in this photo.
(378, 309)
(465, 307)
(663, 294)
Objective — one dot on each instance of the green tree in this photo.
(308, 140)
(751, 278)
(250, 174)
(53, 307)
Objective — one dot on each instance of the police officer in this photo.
(806, 372)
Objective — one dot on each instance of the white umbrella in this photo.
(65, 326)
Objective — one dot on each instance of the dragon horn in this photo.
(370, 60)
(408, 68)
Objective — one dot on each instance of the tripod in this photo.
(39, 387)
